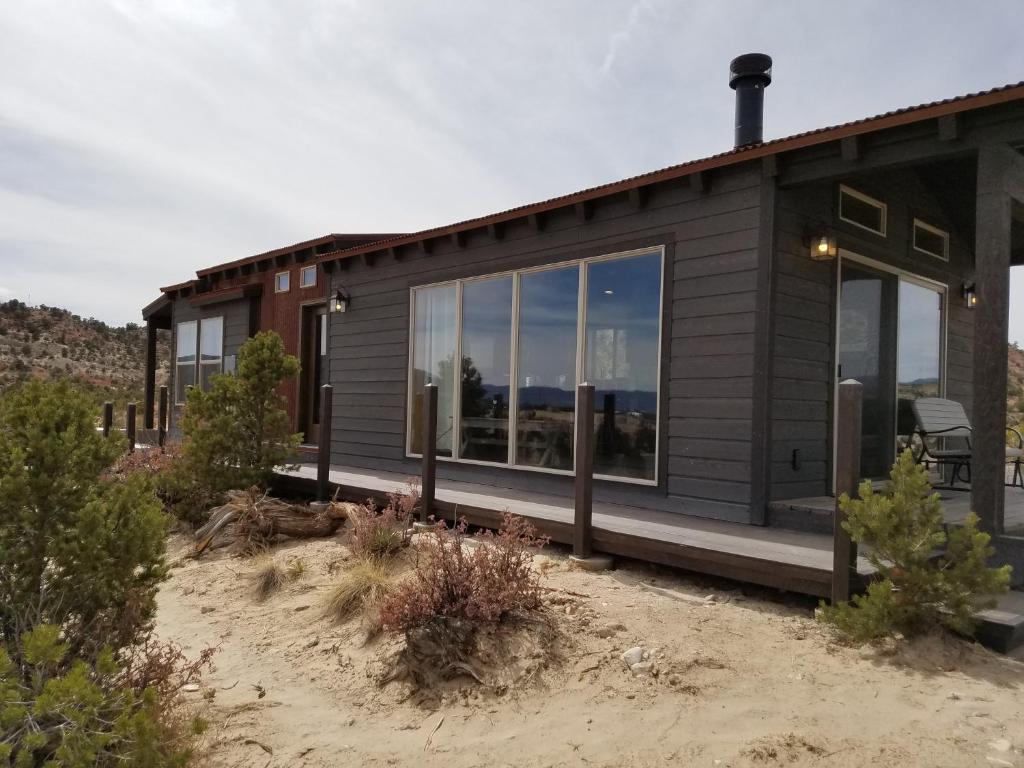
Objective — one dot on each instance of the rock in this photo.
(313, 643)
(188, 591)
(608, 630)
(298, 608)
(954, 696)
(675, 679)
(644, 669)
(190, 687)
(207, 609)
(633, 656)
(1001, 745)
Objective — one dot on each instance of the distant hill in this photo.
(50, 342)
(1015, 387)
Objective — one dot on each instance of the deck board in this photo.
(786, 559)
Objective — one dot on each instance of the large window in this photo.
(199, 353)
(185, 359)
(524, 341)
(433, 362)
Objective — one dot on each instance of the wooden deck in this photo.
(956, 504)
(791, 560)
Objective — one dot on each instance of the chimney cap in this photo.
(755, 66)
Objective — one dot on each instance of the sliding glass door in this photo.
(524, 341)
(890, 338)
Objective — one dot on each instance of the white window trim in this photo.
(177, 355)
(513, 377)
(843, 189)
(277, 285)
(311, 269)
(944, 256)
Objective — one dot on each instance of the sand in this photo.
(744, 678)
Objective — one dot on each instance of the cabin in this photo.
(714, 306)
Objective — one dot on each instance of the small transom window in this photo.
(862, 211)
(282, 282)
(307, 277)
(931, 240)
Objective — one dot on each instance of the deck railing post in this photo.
(582, 544)
(848, 431)
(129, 427)
(108, 418)
(429, 447)
(323, 457)
(161, 433)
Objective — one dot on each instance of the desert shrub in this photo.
(296, 569)
(60, 711)
(362, 588)
(237, 432)
(184, 494)
(383, 533)
(266, 578)
(77, 552)
(919, 584)
(479, 584)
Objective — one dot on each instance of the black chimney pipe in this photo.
(749, 75)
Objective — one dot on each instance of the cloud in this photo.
(142, 140)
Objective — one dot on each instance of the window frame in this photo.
(310, 269)
(277, 281)
(219, 362)
(864, 198)
(513, 400)
(177, 355)
(920, 223)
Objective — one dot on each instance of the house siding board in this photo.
(236, 331)
(803, 303)
(710, 296)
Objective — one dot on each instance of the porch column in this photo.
(150, 382)
(1000, 181)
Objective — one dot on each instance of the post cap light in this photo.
(340, 301)
(823, 248)
(969, 295)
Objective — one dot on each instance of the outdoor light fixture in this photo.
(970, 295)
(823, 248)
(340, 301)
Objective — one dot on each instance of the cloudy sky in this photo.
(141, 140)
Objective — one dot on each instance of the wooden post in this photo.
(161, 435)
(129, 427)
(108, 418)
(848, 429)
(323, 456)
(429, 473)
(582, 537)
(150, 382)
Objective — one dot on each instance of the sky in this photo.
(140, 140)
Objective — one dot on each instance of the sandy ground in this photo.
(742, 680)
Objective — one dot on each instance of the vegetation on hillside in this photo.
(106, 362)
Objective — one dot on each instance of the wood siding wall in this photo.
(711, 241)
(236, 331)
(803, 304)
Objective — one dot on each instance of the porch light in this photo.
(969, 294)
(340, 301)
(823, 248)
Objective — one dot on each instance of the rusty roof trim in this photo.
(333, 238)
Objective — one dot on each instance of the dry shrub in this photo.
(152, 461)
(267, 578)
(296, 569)
(383, 533)
(482, 584)
(361, 589)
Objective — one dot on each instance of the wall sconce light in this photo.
(823, 247)
(340, 301)
(969, 295)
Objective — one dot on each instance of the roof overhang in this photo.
(230, 294)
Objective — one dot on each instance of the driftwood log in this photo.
(251, 520)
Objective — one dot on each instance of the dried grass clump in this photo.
(482, 584)
(267, 578)
(362, 589)
(296, 569)
(386, 532)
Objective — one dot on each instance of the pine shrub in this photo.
(237, 432)
(926, 577)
